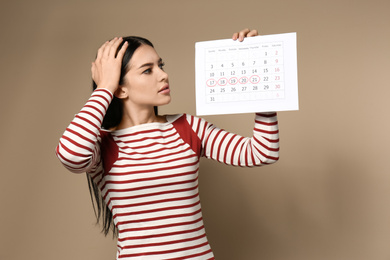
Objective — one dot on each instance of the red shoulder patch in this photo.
(187, 134)
(109, 150)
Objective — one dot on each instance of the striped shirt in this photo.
(148, 174)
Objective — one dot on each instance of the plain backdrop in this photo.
(328, 197)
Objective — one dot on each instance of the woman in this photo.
(144, 166)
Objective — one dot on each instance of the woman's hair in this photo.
(112, 118)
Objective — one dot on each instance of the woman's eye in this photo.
(147, 71)
(162, 65)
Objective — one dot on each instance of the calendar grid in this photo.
(258, 74)
(250, 73)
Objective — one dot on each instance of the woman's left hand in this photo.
(244, 33)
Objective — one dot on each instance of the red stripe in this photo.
(163, 234)
(92, 115)
(87, 121)
(155, 210)
(72, 152)
(64, 137)
(207, 141)
(152, 144)
(154, 157)
(252, 157)
(166, 243)
(165, 252)
(94, 108)
(220, 145)
(80, 164)
(204, 131)
(246, 153)
(154, 163)
(271, 140)
(240, 152)
(150, 138)
(83, 128)
(266, 147)
(197, 126)
(151, 186)
(266, 123)
(235, 149)
(151, 178)
(227, 149)
(154, 202)
(103, 97)
(160, 218)
(266, 156)
(103, 90)
(152, 151)
(266, 132)
(161, 227)
(192, 256)
(138, 133)
(154, 170)
(152, 194)
(79, 135)
(97, 102)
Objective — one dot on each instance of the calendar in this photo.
(256, 75)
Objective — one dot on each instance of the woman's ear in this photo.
(122, 92)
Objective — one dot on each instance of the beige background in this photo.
(328, 198)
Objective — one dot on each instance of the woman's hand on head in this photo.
(244, 33)
(106, 69)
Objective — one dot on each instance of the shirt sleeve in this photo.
(232, 149)
(78, 148)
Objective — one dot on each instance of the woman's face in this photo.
(146, 81)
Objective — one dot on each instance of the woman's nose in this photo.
(163, 75)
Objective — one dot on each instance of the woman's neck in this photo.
(132, 117)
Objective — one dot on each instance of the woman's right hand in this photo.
(106, 69)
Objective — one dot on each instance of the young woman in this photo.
(143, 167)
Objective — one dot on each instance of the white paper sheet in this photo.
(256, 75)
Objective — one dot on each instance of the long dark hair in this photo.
(112, 118)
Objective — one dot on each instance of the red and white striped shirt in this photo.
(148, 174)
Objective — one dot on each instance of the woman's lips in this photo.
(165, 90)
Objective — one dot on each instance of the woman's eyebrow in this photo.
(150, 64)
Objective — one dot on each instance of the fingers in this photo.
(106, 69)
(122, 50)
(101, 50)
(114, 46)
(109, 49)
(94, 73)
(93, 68)
(241, 34)
(244, 33)
(235, 36)
(252, 33)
